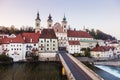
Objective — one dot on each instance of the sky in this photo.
(98, 14)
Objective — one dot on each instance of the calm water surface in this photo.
(32, 71)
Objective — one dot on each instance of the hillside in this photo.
(97, 34)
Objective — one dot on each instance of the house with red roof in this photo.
(13, 47)
(73, 47)
(48, 41)
(85, 39)
(31, 43)
(103, 52)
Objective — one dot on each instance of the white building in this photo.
(61, 32)
(31, 43)
(73, 47)
(85, 39)
(48, 41)
(13, 47)
(103, 52)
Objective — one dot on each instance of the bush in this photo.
(5, 58)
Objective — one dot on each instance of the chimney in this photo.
(74, 29)
(23, 38)
(30, 40)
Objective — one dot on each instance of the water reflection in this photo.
(31, 71)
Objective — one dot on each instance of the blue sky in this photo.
(98, 14)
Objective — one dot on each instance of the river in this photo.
(106, 72)
(32, 71)
(110, 69)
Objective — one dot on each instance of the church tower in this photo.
(49, 21)
(37, 24)
(64, 24)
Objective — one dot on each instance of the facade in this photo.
(48, 41)
(61, 32)
(13, 47)
(103, 52)
(31, 43)
(73, 47)
(83, 37)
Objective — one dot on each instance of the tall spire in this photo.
(64, 19)
(49, 17)
(38, 18)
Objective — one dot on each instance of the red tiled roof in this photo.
(17, 39)
(31, 37)
(48, 33)
(103, 48)
(74, 42)
(1, 38)
(80, 34)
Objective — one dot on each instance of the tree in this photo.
(5, 58)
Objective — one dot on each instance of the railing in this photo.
(88, 71)
(68, 72)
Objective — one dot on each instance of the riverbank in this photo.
(109, 63)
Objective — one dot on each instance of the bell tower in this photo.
(49, 21)
(64, 24)
(37, 24)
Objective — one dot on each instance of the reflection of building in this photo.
(48, 41)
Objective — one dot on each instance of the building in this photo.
(31, 43)
(73, 47)
(103, 52)
(13, 47)
(85, 39)
(37, 24)
(49, 22)
(48, 41)
(61, 33)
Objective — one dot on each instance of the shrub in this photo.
(5, 58)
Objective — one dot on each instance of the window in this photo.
(41, 41)
(41, 44)
(41, 48)
(53, 41)
(34, 44)
(57, 30)
(64, 26)
(12, 49)
(53, 48)
(47, 48)
(53, 44)
(47, 44)
(47, 41)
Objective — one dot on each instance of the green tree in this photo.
(5, 58)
